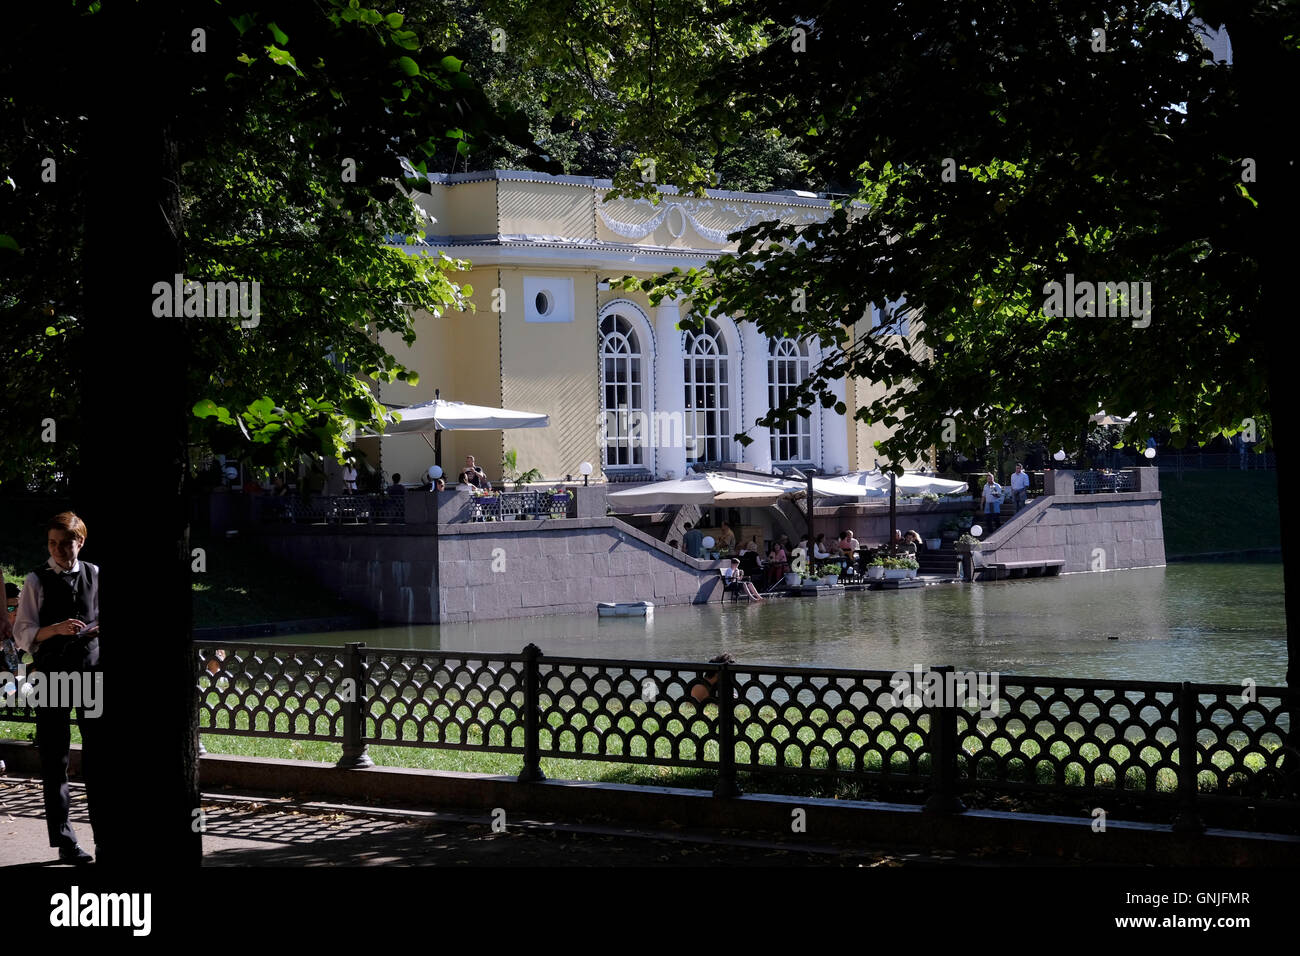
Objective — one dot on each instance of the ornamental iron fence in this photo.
(940, 731)
(332, 509)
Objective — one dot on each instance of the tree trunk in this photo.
(134, 445)
(1262, 67)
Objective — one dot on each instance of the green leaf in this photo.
(243, 23)
(280, 36)
(205, 408)
(8, 242)
(450, 64)
(408, 66)
(357, 408)
(394, 20)
(281, 57)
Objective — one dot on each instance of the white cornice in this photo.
(572, 256)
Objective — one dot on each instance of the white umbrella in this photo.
(441, 415)
(706, 489)
(905, 484)
(836, 488)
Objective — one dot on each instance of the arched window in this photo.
(622, 379)
(787, 368)
(708, 395)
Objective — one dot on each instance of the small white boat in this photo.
(633, 609)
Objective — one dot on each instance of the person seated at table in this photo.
(778, 563)
(472, 474)
(819, 548)
(726, 538)
(439, 484)
(915, 540)
(848, 546)
(736, 576)
(397, 488)
(673, 544)
(750, 563)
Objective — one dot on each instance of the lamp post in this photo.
(893, 514)
(809, 479)
(585, 470)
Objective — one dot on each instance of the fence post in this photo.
(532, 769)
(943, 746)
(726, 785)
(1187, 820)
(354, 708)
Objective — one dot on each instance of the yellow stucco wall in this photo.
(547, 209)
(552, 368)
(471, 210)
(459, 355)
(860, 392)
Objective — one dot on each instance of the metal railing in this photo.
(1180, 743)
(339, 509)
(1099, 482)
(505, 505)
(1172, 459)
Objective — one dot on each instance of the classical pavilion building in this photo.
(626, 389)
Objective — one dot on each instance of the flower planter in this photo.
(934, 544)
(875, 573)
(899, 574)
(832, 579)
(792, 579)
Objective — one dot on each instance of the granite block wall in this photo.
(525, 568)
(1099, 532)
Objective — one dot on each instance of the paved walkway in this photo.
(259, 832)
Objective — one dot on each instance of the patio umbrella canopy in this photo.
(707, 489)
(441, 415)
(905, 484)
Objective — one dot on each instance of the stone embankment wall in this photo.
(526, 568)
(427, 572)
(1096, 532)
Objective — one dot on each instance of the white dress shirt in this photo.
(28, 620)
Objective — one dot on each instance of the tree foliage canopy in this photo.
(992, 150)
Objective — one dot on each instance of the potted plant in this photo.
(792, 579)
(510, 470)
(876, 569)
(901, 567)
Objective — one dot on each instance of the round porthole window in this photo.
(543, 303)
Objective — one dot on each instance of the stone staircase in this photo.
(942, 562)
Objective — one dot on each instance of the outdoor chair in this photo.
(732, 587)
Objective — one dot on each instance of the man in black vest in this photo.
(58, 622)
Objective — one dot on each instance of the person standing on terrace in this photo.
(1019, 486)
(693, 541)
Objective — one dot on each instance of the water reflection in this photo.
(1203, 622)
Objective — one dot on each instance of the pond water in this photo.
(1220, 622)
